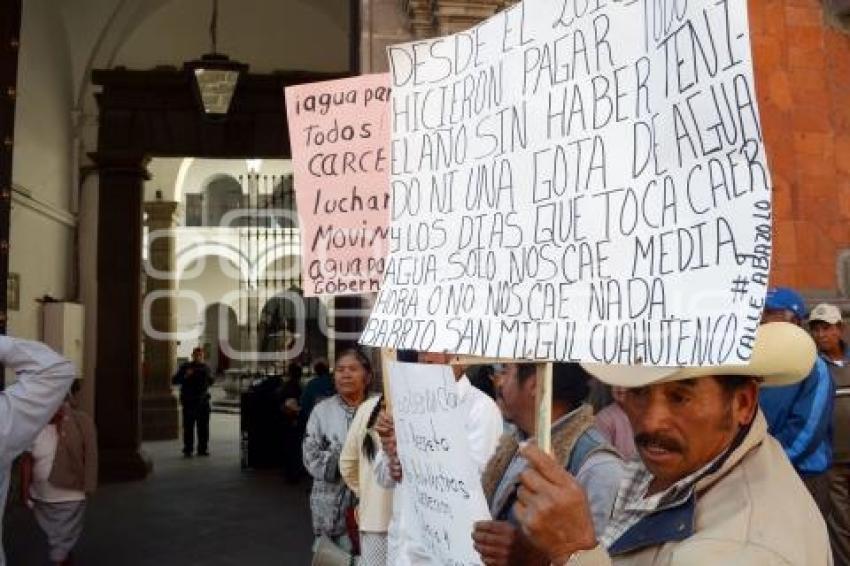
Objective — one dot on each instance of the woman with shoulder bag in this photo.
(327, 428)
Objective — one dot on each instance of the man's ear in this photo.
(530, 384)
(745, 403)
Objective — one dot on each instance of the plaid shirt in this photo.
(633, 504)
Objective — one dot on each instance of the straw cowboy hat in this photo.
(783, 354)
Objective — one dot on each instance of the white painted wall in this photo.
(41, 247)
(41, 254)
(164, 171)
(176, 177)
(42, 157)
(56, 122)
(214, 285)
(88, 284)
(206, 257)
(270, 36)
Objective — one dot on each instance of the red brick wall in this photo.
(802, 68)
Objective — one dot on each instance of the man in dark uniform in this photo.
(194, 379)
(319, 388)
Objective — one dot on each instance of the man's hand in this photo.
(494, 541)
(501, 544)
(552, 508)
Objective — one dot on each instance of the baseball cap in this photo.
(827, 313)
(783, 298)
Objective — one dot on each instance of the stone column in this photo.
(457, 15)
(383, 23)
(160, 414)
(429, 18)
(119, 330)
(421, 14)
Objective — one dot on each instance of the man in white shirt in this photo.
(484, 427)
(43, 380)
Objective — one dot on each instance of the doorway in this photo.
(145, 113)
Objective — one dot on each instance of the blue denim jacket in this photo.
(799, 416)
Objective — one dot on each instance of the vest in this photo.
(572, 443)
(841, 414)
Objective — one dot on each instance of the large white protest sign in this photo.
(579, 180)
(442, 490)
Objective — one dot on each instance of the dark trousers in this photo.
(196, 414)
(839, 519)
(293, 466)
(818, 486)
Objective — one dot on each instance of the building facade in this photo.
(79, 172)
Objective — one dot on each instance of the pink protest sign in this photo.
(340, 140)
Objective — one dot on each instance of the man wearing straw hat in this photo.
(711, 487)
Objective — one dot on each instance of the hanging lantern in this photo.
(215, 75)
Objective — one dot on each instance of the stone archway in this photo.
(221, 195)
(142, 114)
(213, 334)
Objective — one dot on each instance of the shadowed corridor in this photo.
(199, 511)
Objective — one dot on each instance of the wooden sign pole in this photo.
(543, 401)
(387, 356)
(543, 431)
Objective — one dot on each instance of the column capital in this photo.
(427, 18)
(420, 16)
(121, 163)
(457, 15)
(162, 212)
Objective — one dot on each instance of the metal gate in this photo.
(282, 327)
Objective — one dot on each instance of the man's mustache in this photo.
(646, 440)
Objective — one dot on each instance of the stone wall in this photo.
(802, 66)
(803, 78)
(386, 22)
